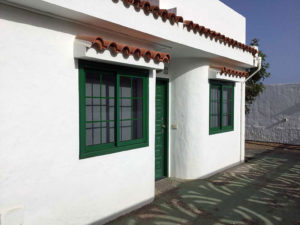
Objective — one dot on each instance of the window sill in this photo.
(220, 131)
(87, 154)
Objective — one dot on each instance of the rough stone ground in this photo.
(264, 190)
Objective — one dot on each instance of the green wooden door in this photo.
(161, 131)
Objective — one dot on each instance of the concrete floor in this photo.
(264, 190)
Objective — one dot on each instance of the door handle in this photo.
(163, 126)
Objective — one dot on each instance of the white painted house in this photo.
(100, 98)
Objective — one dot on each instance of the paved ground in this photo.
(264, 190)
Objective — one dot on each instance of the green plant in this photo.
(255, 86)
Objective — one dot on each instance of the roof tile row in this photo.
(100, 45)
(191, 26)
(228, 71)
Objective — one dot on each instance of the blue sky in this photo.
(276, 23)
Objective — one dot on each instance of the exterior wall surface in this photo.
(275, 115)
(41, 175)
(213, 14)
(43, 182)
(194, 153)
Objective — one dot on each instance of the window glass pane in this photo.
(131, 108)
(108, 85)
(125, 130)
(96, 135)
(93, 134)
(125, 109)
(108, 109)
(96, 113)
(88, 113)
(92, 109)
(108, 132)
(125, 87)
(93, 92)
(227, 106)
(227, 93)
(137, 87)
(215, 108)
(215, 121)
(137, 129)
(137, 105)
(215, 93)
(92, 83)
(227, 121)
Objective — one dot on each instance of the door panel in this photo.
(161, 131)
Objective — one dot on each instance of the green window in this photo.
(221, 107)
(113, 108)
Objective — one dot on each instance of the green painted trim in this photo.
(113, 68)
(117, 145)
(113, 149)
(166, 169)
(81, 86)
(221, 84)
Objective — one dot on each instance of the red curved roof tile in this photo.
(229, 71)
(100, 44)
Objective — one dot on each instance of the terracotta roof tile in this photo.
(228, 71)
(100, 45)
(173, 18)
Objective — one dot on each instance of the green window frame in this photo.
(118, 131)
(221, 106)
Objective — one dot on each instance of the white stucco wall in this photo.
(41, 174)
(275, 115)
(213, 14)
(195, 153)
(42, 179)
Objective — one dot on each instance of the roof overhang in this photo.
(83, 50)
(175, 39)
(217, 74)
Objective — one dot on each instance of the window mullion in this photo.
(118, 110)
(221, 108)
(145, 105)
(131, 130)
(100, 109)
(92, 88)
(232, 106)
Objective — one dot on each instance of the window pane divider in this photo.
(131, 130)
(101, 141)
(134, 98)
(99, 96)
(118, 110)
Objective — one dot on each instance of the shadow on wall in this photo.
(276, 124)
(290, 111)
